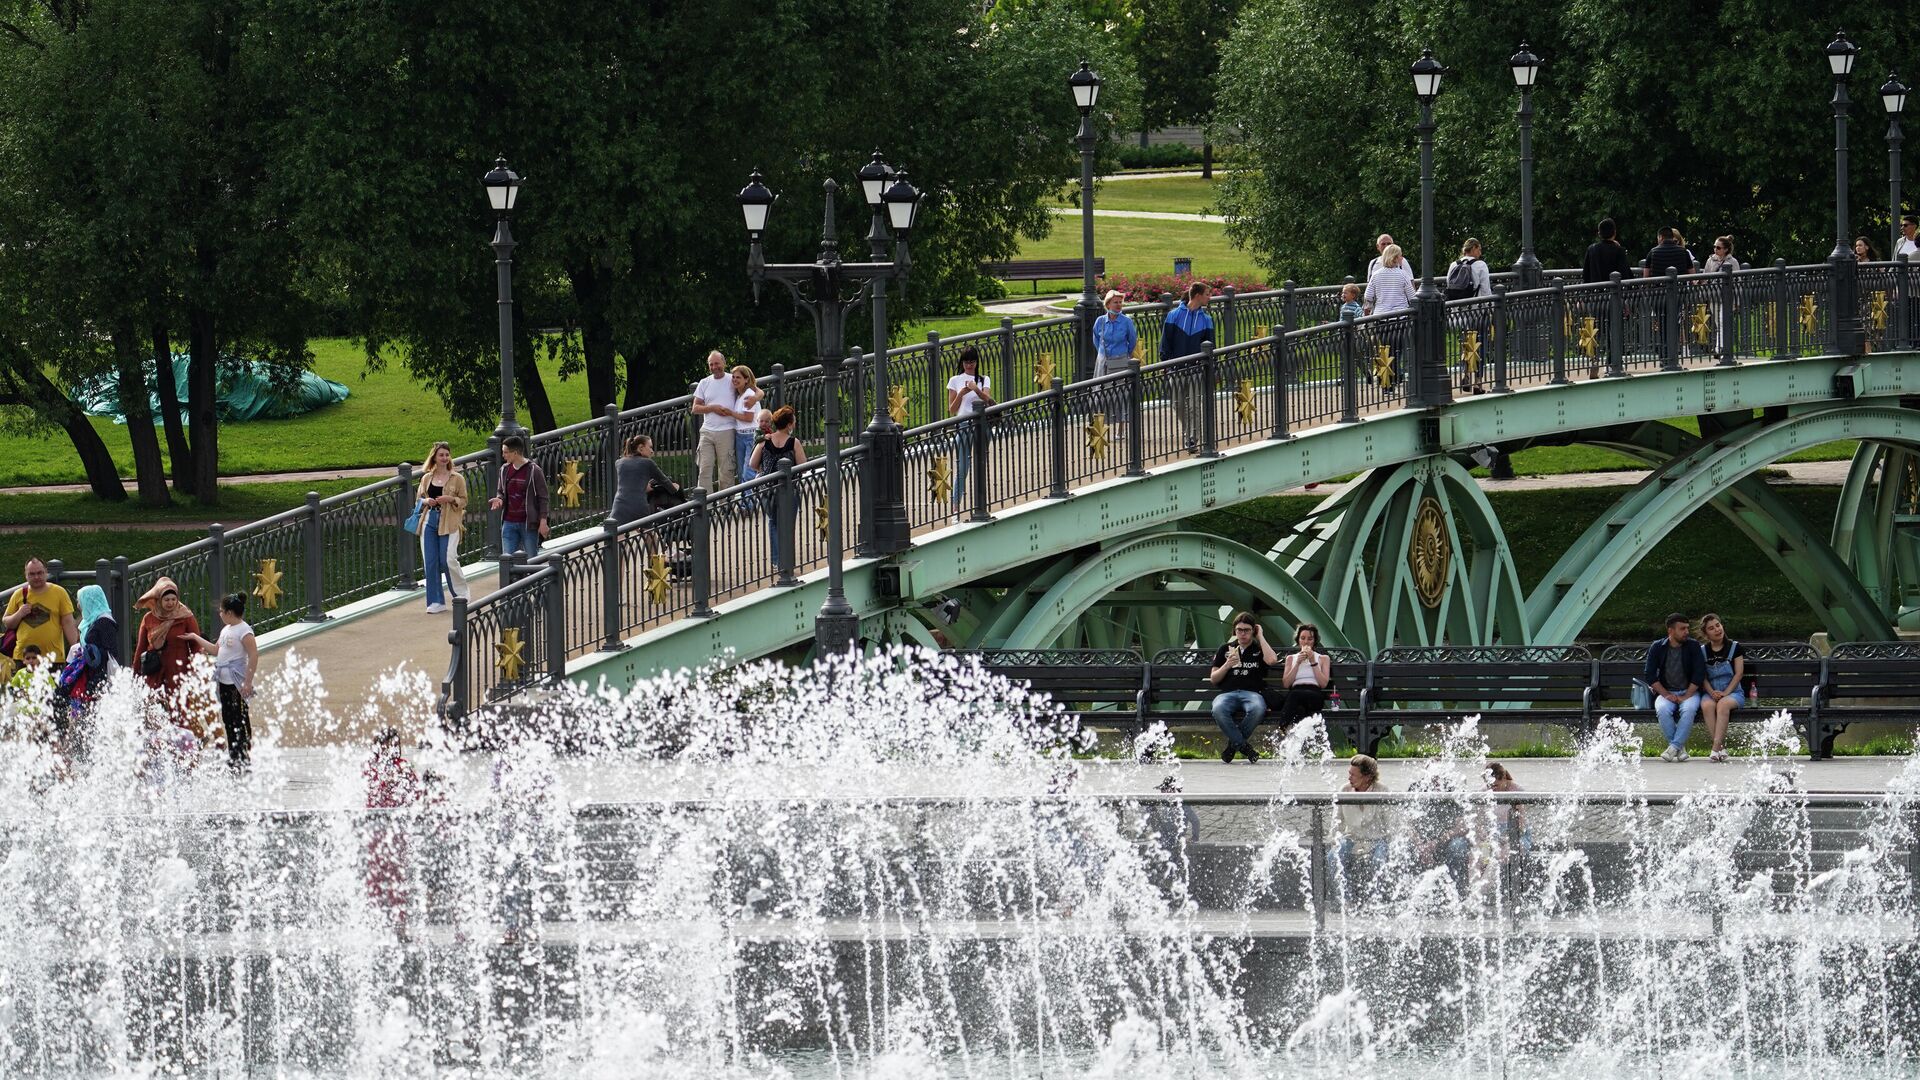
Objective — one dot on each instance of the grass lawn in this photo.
(951, 326)
(1554, 460)
(1164, 194)
(1689, 571)
(82, 547)
(238, 503)
(1136, 246)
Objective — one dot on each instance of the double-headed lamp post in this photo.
(1893, 94)
(820, 288)
(1429, 306)
(1526, 70)
(893, 203)
(1086, 92)
(1848, 337)
(503, 190)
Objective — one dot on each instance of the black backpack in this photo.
(1460, 279)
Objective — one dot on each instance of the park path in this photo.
(376, 472)
(1145, 215)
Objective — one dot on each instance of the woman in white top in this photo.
(1304, 677)
(967, 394)
(746, 419)
(1391, 287)
(1362, 828)
(236, 656)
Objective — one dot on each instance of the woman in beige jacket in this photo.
(443, 508)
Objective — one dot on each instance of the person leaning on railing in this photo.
(778, 445)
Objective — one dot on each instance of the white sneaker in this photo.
(1683, 755)
(1669, 754)
(436, 609)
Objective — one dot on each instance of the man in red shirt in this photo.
(522, 499)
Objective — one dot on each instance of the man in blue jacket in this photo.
(1187, 329)
(1676, 670)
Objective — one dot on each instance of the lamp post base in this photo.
(835, 632)
(890, 532)
(1849, 336)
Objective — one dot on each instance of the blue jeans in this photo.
(433, 558)
(519, 536)
(742, 451)
(962, 464)
(1676, 722)
(1347, 856)
(1246, 702)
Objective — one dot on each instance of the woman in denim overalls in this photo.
(1725, 690)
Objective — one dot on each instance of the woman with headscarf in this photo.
(164, 646)
(89, 663)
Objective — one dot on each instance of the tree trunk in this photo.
(635, 395)
(202, 404)
(590, 289)
(526, 379)
(149, 471)
(1206, 161)
(179, 450)
(39, 393)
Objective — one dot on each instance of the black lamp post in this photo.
(893, 202)
(1893, 94)
(503, 190)
(1429, 306)
(1848, 338)
(819, 287)
(1526, 69)
(1086, 91)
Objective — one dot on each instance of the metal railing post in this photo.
(1902, 303)
(786, 502)
(1057, 416)
(406, 544)
(1006, 364)
(1349, 376)
(1209, 406)
(1561, 313)
(982, 436)
(554, 613)
(1317, 868)
(1670, 323)
(701, 548)
(1616, 325)
(459, 692)
(1277, 375)
(217, 564)
(776, 393)
(610, 625)
(1136, 420)
(1229, 326)
(495, 517)
(120, 598)
(609, 453)
(1500, 340)
(1289, 307)
(1782, 311)
(315, 563)
(936, 384)
(1726, 316)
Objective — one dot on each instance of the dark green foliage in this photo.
(1158, 156)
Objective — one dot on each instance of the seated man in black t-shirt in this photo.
(1240, 671)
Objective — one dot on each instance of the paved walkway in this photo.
(373, 473)
(1148, 215)
(1162, 175)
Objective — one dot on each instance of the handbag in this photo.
(151, 661)
(412, 524)
(1642, 695)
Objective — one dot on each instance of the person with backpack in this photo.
(1468, 278)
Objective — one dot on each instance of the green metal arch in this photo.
(1873, 527)
(1563, 602)
(1193, 555)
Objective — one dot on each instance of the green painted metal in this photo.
(1196, 556)
(1050, 530)
(1848, 610)
(1567, 597)
(1876, 527)
(1352, 551)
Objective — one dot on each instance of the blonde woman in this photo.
(746, 419)
(1391, 287)
(443, 508)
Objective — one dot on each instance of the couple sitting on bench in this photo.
(1240, 670)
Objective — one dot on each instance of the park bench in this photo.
(1177, 680)
(1092, 685)
(1864, 680)
(1787, 673)
(1039, 270)
(1543, 684)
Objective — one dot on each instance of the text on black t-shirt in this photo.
(1248, 673)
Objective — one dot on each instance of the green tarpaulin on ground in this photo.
(245, 393)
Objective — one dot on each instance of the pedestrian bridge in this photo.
(1071, 525)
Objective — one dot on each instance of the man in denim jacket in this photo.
(1676, 669)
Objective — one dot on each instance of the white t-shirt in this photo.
(717, 390)
(749, 402)
(1908, 248)
(970, 402)
(230, 662)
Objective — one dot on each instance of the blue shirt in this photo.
(1114, 334)
(1186, 328)
(1352, 310)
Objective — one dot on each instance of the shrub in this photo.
(1158, 156)
(1143, 288)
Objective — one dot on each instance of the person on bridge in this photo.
(1186, 331)
(779, 445)
(1605, 257)
(746, 419)
(40, 613)
(640, 487)
(1909, 229)
(1240, 671)
(1725, 688)
(1389, 288)
(236, 658)
(164, 646)
(716, 403)
(1864, 251)
(1675, 671)
(443, 507)
(1114, 337)
(1380, 245)
(968, 394)
(1669, 253)
(522, 501)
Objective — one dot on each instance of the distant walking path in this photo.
(1165, 174)
(1149, 215)
(374, 473)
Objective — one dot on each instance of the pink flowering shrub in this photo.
(1143, 288)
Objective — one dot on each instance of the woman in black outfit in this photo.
(777, 446)
(1304, 678)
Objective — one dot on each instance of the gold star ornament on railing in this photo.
(1043, 372)
(1383, 368)
(940, 479)
(573, 484)
(1590, 337)
(510, 654)
(1877, 311)
(1809, 312)
(1262, 331)
(897, 403)
(1470, 353)
(1243, 402)
(658, 579)
(1097, 435)
(1699, 323)
(266, 583)
(820, 520)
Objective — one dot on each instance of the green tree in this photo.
(1178, 53)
